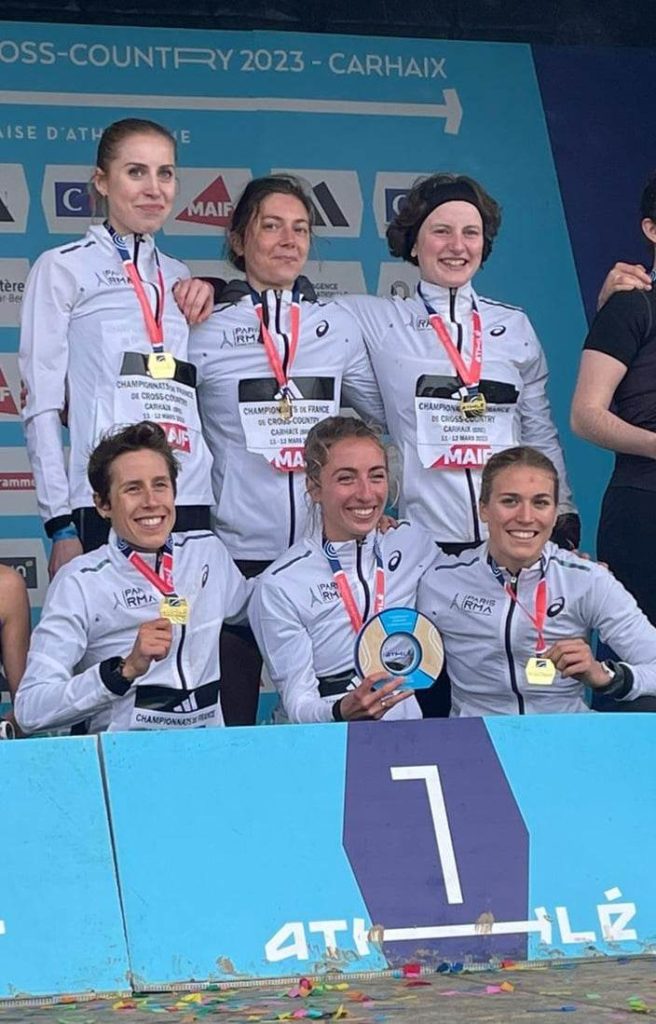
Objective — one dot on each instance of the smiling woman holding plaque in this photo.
(312, 605)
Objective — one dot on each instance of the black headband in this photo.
(455, 191)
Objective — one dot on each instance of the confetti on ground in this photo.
(599, 992)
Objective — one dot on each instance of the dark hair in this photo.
(112, 137)
(510, 457)
(648, 199)
(249, 203)
(428, 193)
(135, 438)
(328, 432)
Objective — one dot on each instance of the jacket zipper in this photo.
(135, 259)
(285, 362)
(508, 646)
(365, 585)
(178, 657)
(468, 472)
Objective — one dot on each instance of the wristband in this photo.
(65, 533)
(620, 680)
(337, 711)
(57, 523)
(111, 674)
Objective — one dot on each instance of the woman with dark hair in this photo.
(614, 406)
(309, 605)
(516, 614)
(128, 638)
(461, 376)
(103, 341)
(272, 362)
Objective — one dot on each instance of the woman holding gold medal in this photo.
(128, 638)
(103, 342)
(461, 376)
(515, 615)
(272, 361)
(332, 594)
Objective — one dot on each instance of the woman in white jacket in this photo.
(103, 342)
(310, 604)
(516, 614)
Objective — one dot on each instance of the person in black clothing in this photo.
(614, 406)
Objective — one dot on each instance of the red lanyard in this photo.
(469, 375)
(344, 587)
(153, 322)
(281, 374)
(162, 576)
(540, 610)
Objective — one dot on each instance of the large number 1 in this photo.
(431, 776)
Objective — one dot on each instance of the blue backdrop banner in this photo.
(60, 917)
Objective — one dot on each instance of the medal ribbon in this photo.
(162, 576)
(469, 375)
(281, 373)
(540, 603)
(540, 611)
(344, 587)
(153, 322)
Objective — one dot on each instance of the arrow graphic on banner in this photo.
(450, 110)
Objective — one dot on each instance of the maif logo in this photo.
(9, 388)
(206, 200)
(213, 206)
(14, 199)
(336, 199)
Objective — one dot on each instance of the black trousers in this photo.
(626, 541)
(241, 664)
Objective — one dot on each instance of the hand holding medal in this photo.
(153, 643)
(573, 659)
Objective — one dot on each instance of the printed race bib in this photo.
(171, 402)
(446, 439)
(162, 707)
(268, 432)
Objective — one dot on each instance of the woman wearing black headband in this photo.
(461, 376)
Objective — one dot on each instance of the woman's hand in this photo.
(624, 277)
(573, 658)
(364, 702)
(195, 299)
(386, 523)
(63, 551)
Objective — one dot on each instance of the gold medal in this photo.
(540, 671)
(473, 406)
(285, 408)
(175, 609)
(161, 365)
